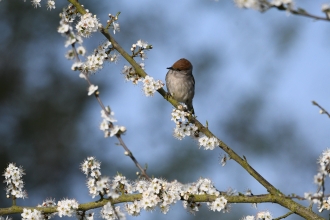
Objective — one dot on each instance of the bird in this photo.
(180, 82)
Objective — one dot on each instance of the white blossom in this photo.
(87, 25)
(13, 179)
(150, 86)
(92, 89)
(29, 214)
(67, 207)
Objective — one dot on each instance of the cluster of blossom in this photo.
(157, 192)
(218, 204)
(67, 207)
(68, 16)
(87, 25)
(29, 214)
(13, 179)
(133, 208)
(163, 194)
(263, 5)
(182, 126)
(150, 86)
(324, 162)
(142, 45)
(95, 61)
(209, 143)
(319, 178)
(120, 184)
(203, 187)
(107, 125)
(50, 4)
(260, 216)
(97, 184)
(131, 75)
(91, 167)
(107, 212)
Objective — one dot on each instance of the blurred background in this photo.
(256, 75)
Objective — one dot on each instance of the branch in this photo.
(133, 197)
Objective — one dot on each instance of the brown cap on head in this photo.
(182, 64)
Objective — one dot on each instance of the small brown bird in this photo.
(180, 82)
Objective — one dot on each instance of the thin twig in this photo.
(300, 12)
(323, 111)
(122, 143)
(129, 153)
